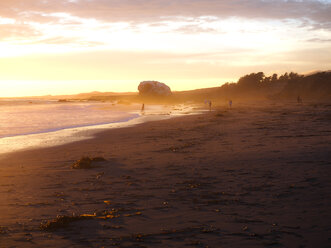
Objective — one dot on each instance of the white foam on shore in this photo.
(23, 118)
(69, 135)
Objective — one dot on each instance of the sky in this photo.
(73, 46)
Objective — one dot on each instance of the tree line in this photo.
(285, 86)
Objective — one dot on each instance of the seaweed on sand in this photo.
(3, 230)
(87, 162)
(62, 221)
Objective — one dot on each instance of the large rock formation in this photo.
(153, 88)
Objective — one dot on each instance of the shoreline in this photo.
(66, 135)
(52, 130)
(253, 176)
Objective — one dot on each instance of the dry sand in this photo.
(252, 176)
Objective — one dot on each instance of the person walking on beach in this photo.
(299, 100)
(230, 103)
(143, 109)
(209, 103)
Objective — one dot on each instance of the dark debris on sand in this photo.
(87, 162)
(61, 221)
(3, 230)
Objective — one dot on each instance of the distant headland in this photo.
(254, 86)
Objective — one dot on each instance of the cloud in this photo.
(65, 41)
(193, 29)
(319, 40)
(152, 10)
(17, 31)
(147, 10)
(96, 20)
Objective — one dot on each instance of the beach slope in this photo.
(251, 176)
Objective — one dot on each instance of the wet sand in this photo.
(251, 176)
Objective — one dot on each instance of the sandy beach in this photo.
(250, 176)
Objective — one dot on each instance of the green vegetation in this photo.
(285, 87)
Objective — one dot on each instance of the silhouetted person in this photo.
(299, 100)
(209, 103)
(230, 103)
(143, 108)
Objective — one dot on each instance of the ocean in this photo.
(31, 123)
(19, 117)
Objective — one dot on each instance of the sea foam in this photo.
(32, 117)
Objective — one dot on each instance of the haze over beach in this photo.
(192, 123)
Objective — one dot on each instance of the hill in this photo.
(250, 87)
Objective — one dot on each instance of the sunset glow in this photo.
(73, 46)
